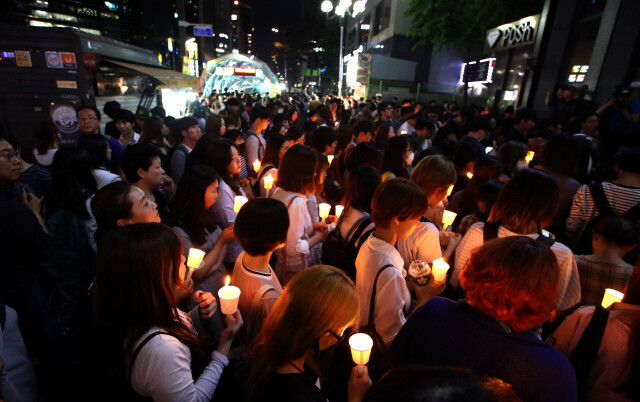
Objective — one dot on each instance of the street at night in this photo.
(320, 200)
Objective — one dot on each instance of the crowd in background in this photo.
(96, 231)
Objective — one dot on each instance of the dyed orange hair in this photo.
(513, 279)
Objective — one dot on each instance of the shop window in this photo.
(382, 16)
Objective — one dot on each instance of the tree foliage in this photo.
(462, 24)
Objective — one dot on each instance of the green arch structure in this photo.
(264, 81)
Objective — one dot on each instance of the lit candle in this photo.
(488, 149)
(229, 297)
(439, 270)
(336, 124)
(402, 132)
(268, 182)
(470, 175)
(324, 210)
(361, 345)
(529, 156)
(450, 190)
(339, 209)
(194, 260)
(256, 165)
(330, 158)
(447, 219)
(238, 202)
(611, 296)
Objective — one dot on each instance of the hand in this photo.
(227, 235)
(359, 383)
(445, 237)
(332, 218)
(426, 292)
(168, 185)
(319, 225)
(207, 303)
(234, 323)
(322, 234)
(34, 203)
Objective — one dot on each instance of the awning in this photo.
(169, 78)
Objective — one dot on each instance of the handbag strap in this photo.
(585, 352)
(490, 231)
(372, 304)
(139, 348)
(255, 306)
(354, 235)
(600, 199)
(284, 250)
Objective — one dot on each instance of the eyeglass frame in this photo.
(10, 154)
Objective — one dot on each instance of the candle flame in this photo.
(470, 175)
(226, 282)
(529, 156)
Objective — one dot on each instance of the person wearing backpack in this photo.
(525, 206)
(618, 197)
(277, 145)
(255, 142)
(354, 225)
(396, 209)
(604, 346)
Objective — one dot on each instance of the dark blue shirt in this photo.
(445, 332)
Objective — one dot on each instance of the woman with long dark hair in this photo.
(156, 346)
(277, 145)
(224, 158)
(398, 156)
(100, 153)
(196, 227)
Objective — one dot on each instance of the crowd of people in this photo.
(98, 303)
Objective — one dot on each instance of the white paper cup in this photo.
(360, 345)
(229, 297)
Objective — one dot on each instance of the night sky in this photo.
(269, 14)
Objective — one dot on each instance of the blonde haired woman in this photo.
(310, 318)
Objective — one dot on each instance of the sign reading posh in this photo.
(514, 34)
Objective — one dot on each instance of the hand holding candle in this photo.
(611, 296)
(238, 202)
(339, 209)
(323, 210)
(360, 345)
(439, 270)
(229, 297)
(194, 260)
(448, 218)
(256, 166)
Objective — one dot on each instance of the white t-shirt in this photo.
(423, 244)
(392, 295)
(104, 177)
(569, 293)
(47, 158)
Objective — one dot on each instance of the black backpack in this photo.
(582, 244)
(340, 252)
(490, 232)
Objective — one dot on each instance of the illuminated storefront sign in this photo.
(578, 73)
(248, 71)
(514, 34)
(480, 72)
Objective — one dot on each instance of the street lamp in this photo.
(341, 9)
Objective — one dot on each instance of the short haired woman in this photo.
(512, 287)
(525, 206)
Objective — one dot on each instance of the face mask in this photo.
(409, 158)
(522, 165)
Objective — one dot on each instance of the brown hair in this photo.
(434, 172)
(397, 198)
(317, 300)
(527, 203)
(137, 272)
(297, 169)
(513, 279)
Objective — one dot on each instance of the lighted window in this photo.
(234, 17)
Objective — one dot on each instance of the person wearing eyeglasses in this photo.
(24, 244)
(89, 121)
(309, 319)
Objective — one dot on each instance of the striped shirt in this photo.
(597, 276)
(569, 292)
(620, 198)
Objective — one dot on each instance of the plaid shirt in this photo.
(595, 277)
